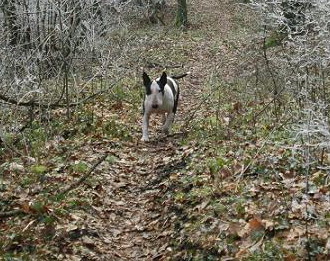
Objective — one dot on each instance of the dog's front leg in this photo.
(168, 123)
(145, 126)
(163, 119)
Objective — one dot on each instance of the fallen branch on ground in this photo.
(11, 213)
(83, 178)
(189, 119)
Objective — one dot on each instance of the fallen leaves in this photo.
(266, 213)
(255, 224)
(213, 191)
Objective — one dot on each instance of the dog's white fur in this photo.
(161, 99)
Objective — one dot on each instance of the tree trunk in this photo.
(181, 17)
(10, 21)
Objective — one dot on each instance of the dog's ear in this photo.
(163, 80)
(146, 79)
(146, 83)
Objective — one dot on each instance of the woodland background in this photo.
(245, 174)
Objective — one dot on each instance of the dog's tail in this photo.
(176, 77)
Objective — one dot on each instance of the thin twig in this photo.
(53, 105)
(11, 213)
(189, 119)
(276, 90)
(307, 151)
(83, 178)
(158, 65)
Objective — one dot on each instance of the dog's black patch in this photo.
(176, 101)
(171, 84)
(162, 88)
(143, 107)
(147, 83)
(175, 94)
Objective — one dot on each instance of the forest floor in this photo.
(218, 188)
(134, 218)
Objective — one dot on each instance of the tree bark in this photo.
(182, 14)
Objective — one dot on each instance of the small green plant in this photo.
(38, 169)
(240, 207)
(39, 207)
(111, 159)
(36, 137)
(270, 251)
(74, 204)
(117, 130)
(274, 40)
(8, 137)
(219, 208)
(216, 164)
(80, 167)
(201, 192)
(180, 197)
(315, 247)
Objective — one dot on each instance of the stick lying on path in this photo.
(83, 178)
(11, 213)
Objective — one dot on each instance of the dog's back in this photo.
(175, 91)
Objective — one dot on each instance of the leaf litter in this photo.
(182, 197)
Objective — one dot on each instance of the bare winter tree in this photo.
(46, 48)
(296, 48)
(303, 30)
(51, 52)
(43, 39)
(10, 21)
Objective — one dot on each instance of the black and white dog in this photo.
(162, 96)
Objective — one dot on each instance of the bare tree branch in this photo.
(52, 105)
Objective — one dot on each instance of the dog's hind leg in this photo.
(168, 123)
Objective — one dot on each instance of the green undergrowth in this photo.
(54, 152)
(235, 197)
(52, 155)
(241, 194)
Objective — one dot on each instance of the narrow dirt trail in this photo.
(134, 214)
(136, 228)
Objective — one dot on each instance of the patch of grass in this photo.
(111, 159)
(80, 167)
(38, 169)
(37, 136)
(76, 204)
(216, 164)
(271, 251)
(115, 129)
(27, 181)
(275, 39)
(219, 208)
(316, 247)
(39, 207)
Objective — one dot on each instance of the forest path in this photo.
(135, 221)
